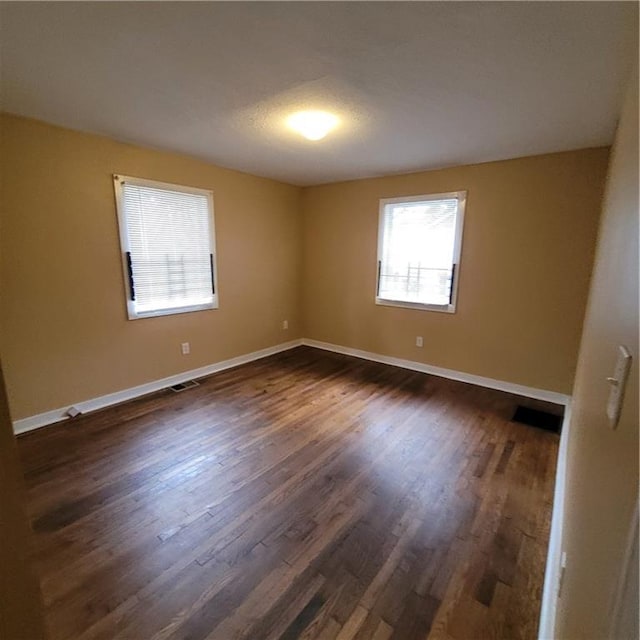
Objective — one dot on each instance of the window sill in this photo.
(139, 315)
(442, 308)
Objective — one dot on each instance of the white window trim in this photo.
(118, 181)
(461, 197)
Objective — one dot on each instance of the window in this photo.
(168, 247)
(419, 242)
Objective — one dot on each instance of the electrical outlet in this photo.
(285, 325)
(186, 348)
(419, 342)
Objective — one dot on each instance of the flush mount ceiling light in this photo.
(313, 125)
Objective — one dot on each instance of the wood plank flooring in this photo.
(305, 495)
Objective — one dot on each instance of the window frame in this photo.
(461, 197)
(118, 181)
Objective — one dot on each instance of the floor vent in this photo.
(183, 386)
(535, 418)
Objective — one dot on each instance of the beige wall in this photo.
(527, 251)
(21, 608)
(602, 465)
(64, 333)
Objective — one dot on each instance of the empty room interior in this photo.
(319, 320)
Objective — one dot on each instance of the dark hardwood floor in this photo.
(305, 495)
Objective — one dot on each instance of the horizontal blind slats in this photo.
(169, 242)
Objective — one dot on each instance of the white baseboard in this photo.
(552, 574)
(56, 415)
(481, 381)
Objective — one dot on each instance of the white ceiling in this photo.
(418, 85)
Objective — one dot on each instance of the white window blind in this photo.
(418, 250)
(167, 241)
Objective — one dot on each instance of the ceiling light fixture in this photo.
(313, 125)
